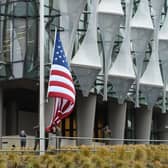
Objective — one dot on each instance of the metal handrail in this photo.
(93, 143)
(110, 139)
(87, 138)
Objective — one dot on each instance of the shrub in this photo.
(34, 163)
(125, 156)
(3, 163)
(85, 150)
(139, 164)
(140, 154)
(121, 164)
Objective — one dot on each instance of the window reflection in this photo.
(19, 34)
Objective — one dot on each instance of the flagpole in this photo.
(42, 141)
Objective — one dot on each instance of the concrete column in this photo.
(1, 116)
(143, 121)
(162, 127)
(12, 117)
(116, 120)
(86, 107)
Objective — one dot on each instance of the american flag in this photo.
(61, 86)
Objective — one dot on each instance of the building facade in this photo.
(117, 51)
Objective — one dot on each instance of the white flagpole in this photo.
(42, 134)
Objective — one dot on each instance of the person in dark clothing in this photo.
(46, 139)
(23, 139)
(107, 134)
(58, 140)
(57, 131)
(37, 136)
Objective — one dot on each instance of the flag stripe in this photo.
(64, 102)
(61, 84)
(65, 106)
(69, 109)
(58, 67)
(61, 79)
(61, 95)
(61, 90)
(61, 73)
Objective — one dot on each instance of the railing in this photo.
(61, 143)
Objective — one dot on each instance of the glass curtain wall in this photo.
(19, 35)
(4, 40)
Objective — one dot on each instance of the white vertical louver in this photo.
(151, 82)
(122, 74)
(163, 55)
(141, 33)
(86, 62)
(71, 11)
(110, 15)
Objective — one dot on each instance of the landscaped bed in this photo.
(118, 156)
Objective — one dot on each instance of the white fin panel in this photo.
(163, 33)
(163, 55)
(122, 69)
(71, 11)
(111, 7)
(152, 79)
(142, 17)
(86, 62)
(110, 17)
(163, 48)
(157, 6)
(141, 33)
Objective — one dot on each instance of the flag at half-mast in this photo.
(61, 86)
